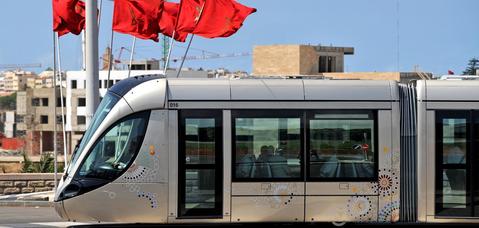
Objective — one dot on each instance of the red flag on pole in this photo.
(168, 20)
(68, 16)
(211, 19)
(138, 18)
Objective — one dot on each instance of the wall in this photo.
(26, 183)
(364, 75)
(276, 60)
(309, 60)
(12, 143)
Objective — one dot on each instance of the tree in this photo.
(8, 102)
(472, 67)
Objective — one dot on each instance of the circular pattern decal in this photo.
(359, 207)
(134, 173)
(389, 213)
(388, 183)
(385, 183)
(150, 196)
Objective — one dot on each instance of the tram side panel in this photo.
(140, 194)
(375, 201)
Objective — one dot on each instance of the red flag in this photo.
(450, 72)
(211, 19)
(242, 12)
(138, 18)
(189, 15)
(168, 21)
(68, 16)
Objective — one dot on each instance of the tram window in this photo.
(342, 145)
(267, 147)
(116, 149)
(454, 141)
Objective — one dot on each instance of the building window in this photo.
(342, 145)
(81, 102)
(35, 102)
(81, 120)
(74, 84)
(44, 119)
(59, 104)
(267, 146)
(327, 64)
(45, 102)
(99, 84)
(59, 119)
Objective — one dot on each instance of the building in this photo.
(403, 77)
(287, 60)
(151, 64)
(324, 62)
(2, 84)
(36, 120)
(8, 124)
(17, 80)
(44, 80)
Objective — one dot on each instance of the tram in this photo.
(276, 150)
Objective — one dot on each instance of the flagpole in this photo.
(131, 56)
(83, 36)
(110, 58)
(184, 57)
(191, 39)
(61, 102)
(167, 61)
(55, 152)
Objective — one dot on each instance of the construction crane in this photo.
(211, 56)
(20, 66)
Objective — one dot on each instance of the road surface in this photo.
(31, 217)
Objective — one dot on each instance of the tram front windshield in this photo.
(104, 108)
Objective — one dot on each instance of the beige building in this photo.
(287, 60)
(325, 62)
(44, 80)
(17, 80)
(403, 77)
(36, 119)
(2, 84)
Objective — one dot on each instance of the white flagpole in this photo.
(184, 57)
(55, 152)
(131, 56)
(61, 102)
(189, 44)
(110, 58)
(167, 62)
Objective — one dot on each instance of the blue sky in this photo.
(436, 35)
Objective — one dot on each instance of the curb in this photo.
(14, 203)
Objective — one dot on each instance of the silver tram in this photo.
(277, 150)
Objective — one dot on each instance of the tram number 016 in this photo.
(173, 105)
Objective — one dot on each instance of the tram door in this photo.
(457, 163)
(200, 168)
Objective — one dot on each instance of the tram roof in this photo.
(448, 90)
(280, 90)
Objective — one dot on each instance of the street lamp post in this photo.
(92, 71)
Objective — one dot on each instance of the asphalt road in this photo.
(31, 217)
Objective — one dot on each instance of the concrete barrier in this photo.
(17, 183)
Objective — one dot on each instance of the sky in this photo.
(388, 35)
